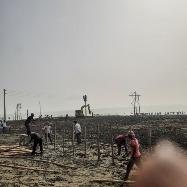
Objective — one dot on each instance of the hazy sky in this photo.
(56, 51)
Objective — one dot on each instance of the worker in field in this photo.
(37, 140)
(29, 120)
(4, 126)
(77, 132)
(48, 132)
(134, 153)
(27, 123)
(121, 140)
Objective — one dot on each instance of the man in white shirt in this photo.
(4, 126)
(77, 132)
(48, 132)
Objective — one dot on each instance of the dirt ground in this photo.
(59, 167)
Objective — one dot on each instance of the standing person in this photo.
(135, 154)
(37, 140)
(48, 132)
(121, 140)
(1, 126)
(77, 132)
(27, 123)
(4, 126)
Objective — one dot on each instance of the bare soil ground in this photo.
(66, 165)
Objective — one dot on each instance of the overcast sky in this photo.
(56, 51)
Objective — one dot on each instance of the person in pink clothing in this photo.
(135, 154)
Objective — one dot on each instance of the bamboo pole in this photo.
(45, 161)
(73, 140)
(149, 140)
(46, 134)
(63, 165)
(28, 168)
(63, 140)
(112, 181)
(41, 130)
(55, 137)
(98, 143)
(85, 140)
(111, 139)
(175, 134)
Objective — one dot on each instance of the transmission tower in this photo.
(135, 103)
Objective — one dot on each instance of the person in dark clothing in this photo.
(121, 140)
(37, 140)
(27, 123)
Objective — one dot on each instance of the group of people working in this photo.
(134, 153)
(36, 137)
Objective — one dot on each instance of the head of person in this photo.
(32, 114)
(47, 123)
(75, 122)
(131, 135)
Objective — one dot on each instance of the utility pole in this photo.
(4, 105)
(18, 108)
(85, 99)
(135, 102)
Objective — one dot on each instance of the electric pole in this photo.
(135, 102)
(18, 108)
(85, 99)
(4, 105)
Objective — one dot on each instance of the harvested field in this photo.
(93, 162)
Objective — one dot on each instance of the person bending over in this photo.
(121, 140)
(37, 140)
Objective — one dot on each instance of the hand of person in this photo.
(167, 169)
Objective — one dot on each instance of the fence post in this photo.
(111, 139)
(46, 136)
(73, 140)
(41, 130)
(63, 140)
(149, 140)
(54, 137)
(175, 135)
(98, 143)
(85, 140)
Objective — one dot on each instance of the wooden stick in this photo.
(111, 140)
(149, 139)
(112, 181)
(41, 130)
(175, 134)
(98, 143)
(85, 141)
(73, 140)
(62, 165)
(54, 137)
(28, 168)
(63, 140)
